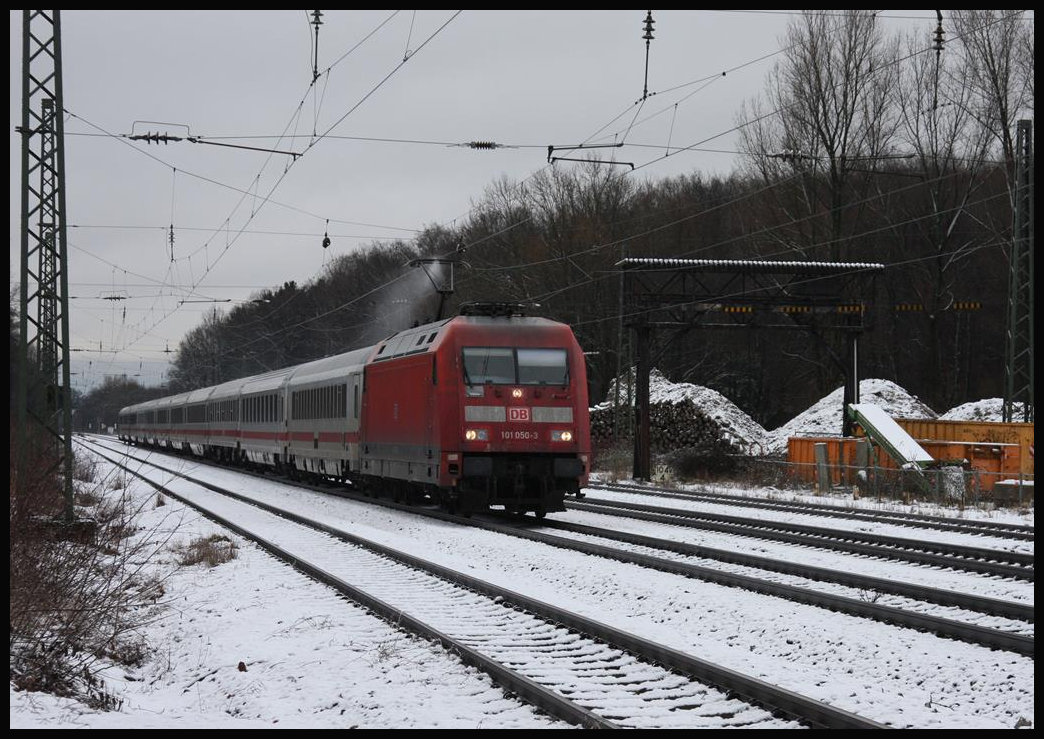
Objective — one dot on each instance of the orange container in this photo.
(841, 454)
(1020, 434)
(992, 460)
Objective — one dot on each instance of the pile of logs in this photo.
(672, 426)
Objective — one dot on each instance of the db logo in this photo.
(518, 414)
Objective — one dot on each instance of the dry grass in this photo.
(614, 460)
(209, 550)
(77, 595)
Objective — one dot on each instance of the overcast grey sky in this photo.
(377, 136)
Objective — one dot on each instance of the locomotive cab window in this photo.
(509, 366)
(542, 367)
(495, 365)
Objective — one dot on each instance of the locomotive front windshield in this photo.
(500, 365)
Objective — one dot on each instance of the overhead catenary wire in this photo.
(691, 147)
(210, 264)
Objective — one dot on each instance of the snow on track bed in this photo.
(902, 678)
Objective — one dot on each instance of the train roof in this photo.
(328, 367)
(229, 389)
(414, 340)
(273, 380)
(425, 338)
(199, 395)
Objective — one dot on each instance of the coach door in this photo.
(355, 390)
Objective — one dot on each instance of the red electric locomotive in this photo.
(487, 409)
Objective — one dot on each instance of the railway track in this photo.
(899, 518)
(850, 593)
(939, 554)
(570, 666)
(825, 509)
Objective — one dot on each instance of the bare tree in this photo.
(949, 144)
(198, 362)
(828, 111)
(826, 122)
(997, 49)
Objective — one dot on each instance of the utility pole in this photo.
(44, 398)
(1018, 368)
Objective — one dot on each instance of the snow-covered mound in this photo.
(824, 417)
(736, 426)
(821, 419)
(989, 409)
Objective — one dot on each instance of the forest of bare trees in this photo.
(863, 147)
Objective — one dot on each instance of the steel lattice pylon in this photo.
(44, 398)
(1018, 369)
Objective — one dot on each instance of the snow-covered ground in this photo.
(313, 661)
(309, 659)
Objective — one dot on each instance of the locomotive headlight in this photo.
(561, 436)
(476, 434)
(516, 393)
